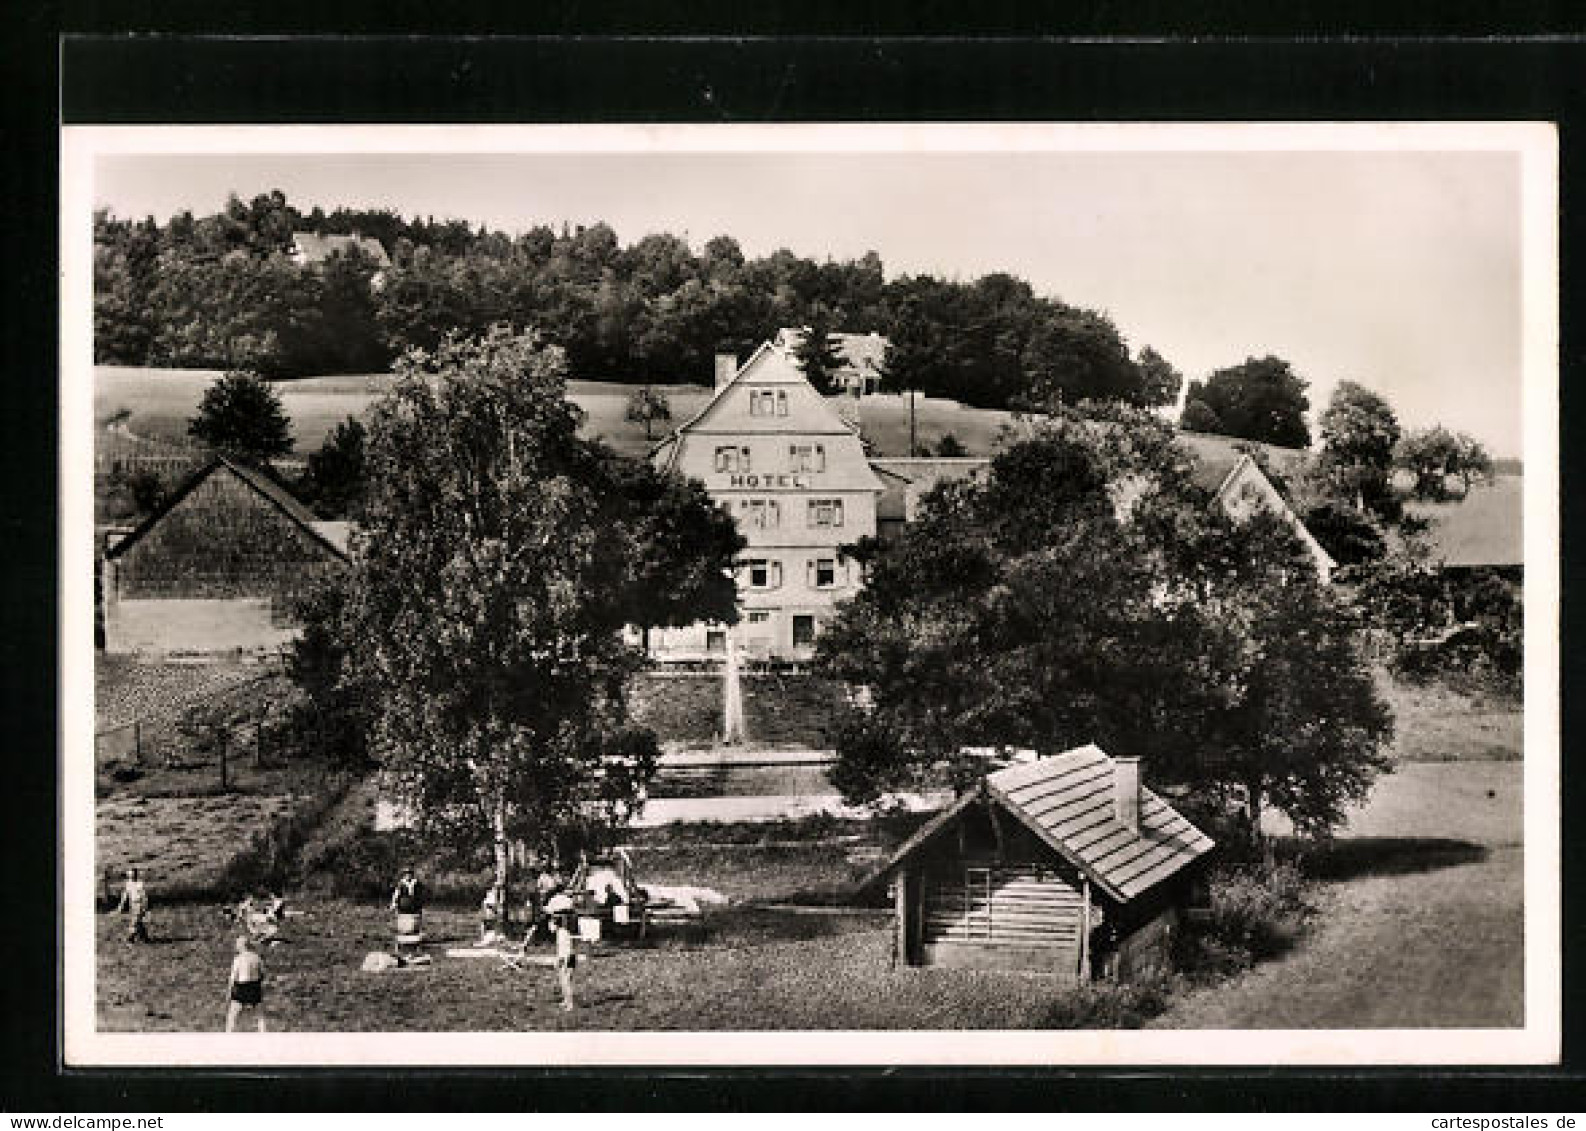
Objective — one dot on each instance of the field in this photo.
(160, 402)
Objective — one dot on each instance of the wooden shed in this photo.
(1065, 865)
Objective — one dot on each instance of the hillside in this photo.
(160, 401)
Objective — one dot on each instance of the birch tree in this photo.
(501, 557)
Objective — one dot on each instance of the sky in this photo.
(1399, 270)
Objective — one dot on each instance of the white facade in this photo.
(793, 473)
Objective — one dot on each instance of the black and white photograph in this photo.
(810, 594)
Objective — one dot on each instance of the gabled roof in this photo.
(1485, 528)
(316, 248)
(813, 415)
(261, 482)
(1067, 802)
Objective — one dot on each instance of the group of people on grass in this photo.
(548, 904)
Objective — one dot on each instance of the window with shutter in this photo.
(776, 575)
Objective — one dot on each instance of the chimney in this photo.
(1126, 792)
(726, 368)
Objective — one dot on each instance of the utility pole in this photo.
(913, 450)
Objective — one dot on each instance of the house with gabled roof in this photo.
(217, 568)
(792, 471)
(1066, 865)
(1231, 475)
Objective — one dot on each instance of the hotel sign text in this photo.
(795, 480)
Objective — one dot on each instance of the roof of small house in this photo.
(316, 248)
(1067, 802)
(263, 484)
(1485, 528)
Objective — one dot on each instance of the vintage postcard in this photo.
(913, 594)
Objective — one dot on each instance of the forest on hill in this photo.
(223, 291)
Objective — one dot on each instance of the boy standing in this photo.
(245, 988)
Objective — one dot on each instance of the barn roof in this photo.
(261, 482)
(1067, 802)
(1485, 528)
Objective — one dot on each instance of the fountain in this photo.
(733, 730)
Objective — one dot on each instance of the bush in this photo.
(1255, 913)
(1110, 1005)
(271, 860)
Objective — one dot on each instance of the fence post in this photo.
(137, 740)
(224, 734)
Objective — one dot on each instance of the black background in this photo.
(923, 61)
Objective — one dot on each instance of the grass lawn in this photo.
(1418, 920)
(757, 970)
(1438, 724)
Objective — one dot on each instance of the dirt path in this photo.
(1422, 928)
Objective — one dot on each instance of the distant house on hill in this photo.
(310, 249)
(217, 567)
(1482, 531)
(864, 358)
(1232, 477)
(1065, 865)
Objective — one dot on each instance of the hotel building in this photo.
(792, 471)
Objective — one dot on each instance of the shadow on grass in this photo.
(1355, 857)
(750, 925)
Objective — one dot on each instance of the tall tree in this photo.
(1032, 610)
(500, 560)
(242, 416)
(1260, 399)
(1159, 381)
(334, 477)
(1435, 455)
(1359, 434)
(647, 406)
(817, 352)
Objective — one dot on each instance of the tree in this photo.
(1159, 381)
(1349, 535)
(950, 447)
(334, 477)
(817, 352)
(646, 406)
(1198, 417)
(1359, 433)
(500, 559)
(1261, 399)
(1028, 610)
(242, 416)
(1434, 455)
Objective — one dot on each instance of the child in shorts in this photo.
(245, 988)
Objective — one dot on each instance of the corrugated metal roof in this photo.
(1067, 800)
